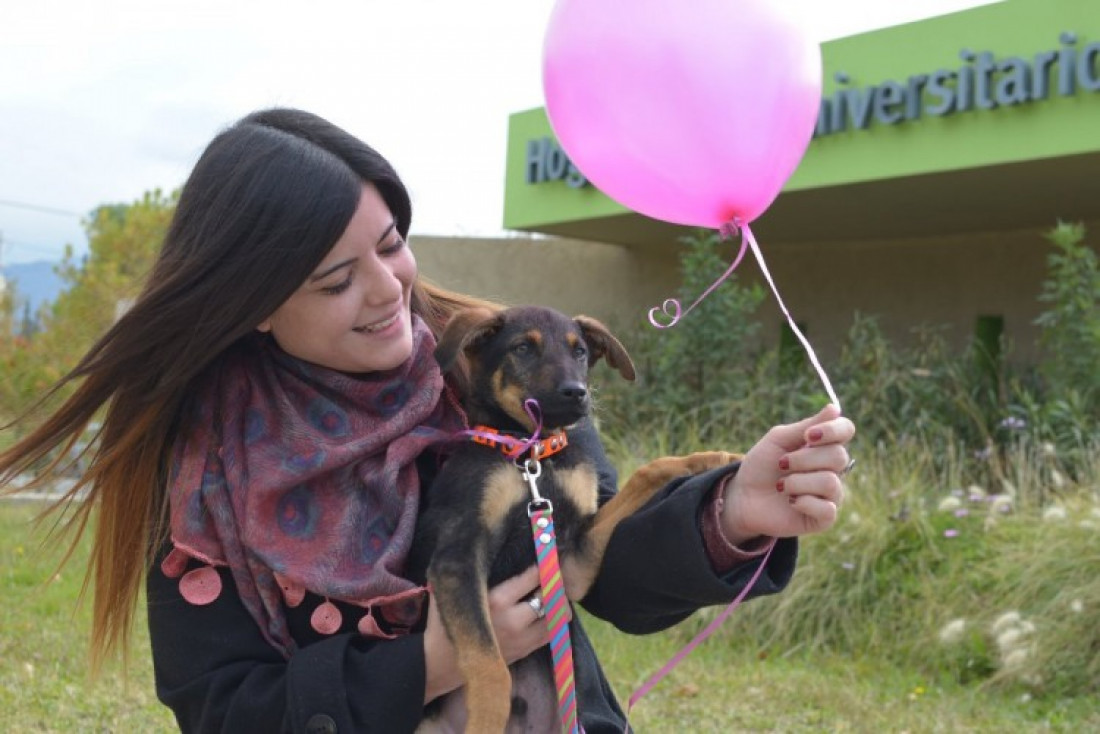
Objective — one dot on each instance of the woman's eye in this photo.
(394, 247)
(332, 290)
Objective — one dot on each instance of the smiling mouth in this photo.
(377, 325)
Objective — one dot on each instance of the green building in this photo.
(944, 150)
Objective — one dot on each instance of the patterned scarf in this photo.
(298, 477)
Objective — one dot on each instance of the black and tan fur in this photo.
(474, 530)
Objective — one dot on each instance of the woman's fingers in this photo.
(824, 485)
(833, 457)
(821, 513)
(516, 594)
(511, 591)
(519, 628)
(838, 430)
(792, 436)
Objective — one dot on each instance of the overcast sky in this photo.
(101, 101)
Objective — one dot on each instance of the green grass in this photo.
(730, 684)
(44, 680)
(852, 646)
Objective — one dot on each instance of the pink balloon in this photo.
(695, 113)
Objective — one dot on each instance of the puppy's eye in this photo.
(579, 352)
(521, 349)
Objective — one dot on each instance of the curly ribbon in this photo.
(748, 240)
(728, 230)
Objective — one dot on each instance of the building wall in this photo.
(909, 284)
(945, 283)
(613, 283)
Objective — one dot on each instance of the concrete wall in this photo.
(908, 284)
(613, 283)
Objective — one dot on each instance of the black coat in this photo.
(216, 672)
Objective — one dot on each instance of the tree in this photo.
(29, 326)
(123, 240)
(696, 363)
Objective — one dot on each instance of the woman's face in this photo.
(352, 313)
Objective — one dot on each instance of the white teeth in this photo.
(371, 328)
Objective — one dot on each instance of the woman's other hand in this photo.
(519, 632)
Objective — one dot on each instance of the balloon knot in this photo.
(730, 229)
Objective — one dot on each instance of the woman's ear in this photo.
(264, 327)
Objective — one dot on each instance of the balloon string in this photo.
(671, 306)
(717, 622)
(746, 234)
(671, 303)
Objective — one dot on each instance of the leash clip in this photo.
(531, 470)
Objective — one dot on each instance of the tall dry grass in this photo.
(994, 584)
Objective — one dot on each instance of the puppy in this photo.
(474, 530)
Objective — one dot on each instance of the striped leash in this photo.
(554, 602)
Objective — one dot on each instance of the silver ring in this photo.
(535, 602)
(848, 467)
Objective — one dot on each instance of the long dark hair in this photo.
(266, 201)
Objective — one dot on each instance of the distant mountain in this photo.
(34, 282)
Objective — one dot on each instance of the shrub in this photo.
(976, 496)
(962, 583)
(691, 371)
(710, 378)
(1070, 326)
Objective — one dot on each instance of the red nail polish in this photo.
(784, 464)
(815, 434)
(779, 486)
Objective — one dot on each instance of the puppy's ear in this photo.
(463, 332)
(602, 344)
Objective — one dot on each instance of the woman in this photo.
(271, 414)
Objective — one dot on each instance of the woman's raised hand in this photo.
(790, 483)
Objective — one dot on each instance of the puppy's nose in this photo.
(573, 390)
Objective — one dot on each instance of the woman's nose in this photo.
(382, 284)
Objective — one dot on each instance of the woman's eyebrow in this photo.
(343, 264)
(329, 271)
(386, 232)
